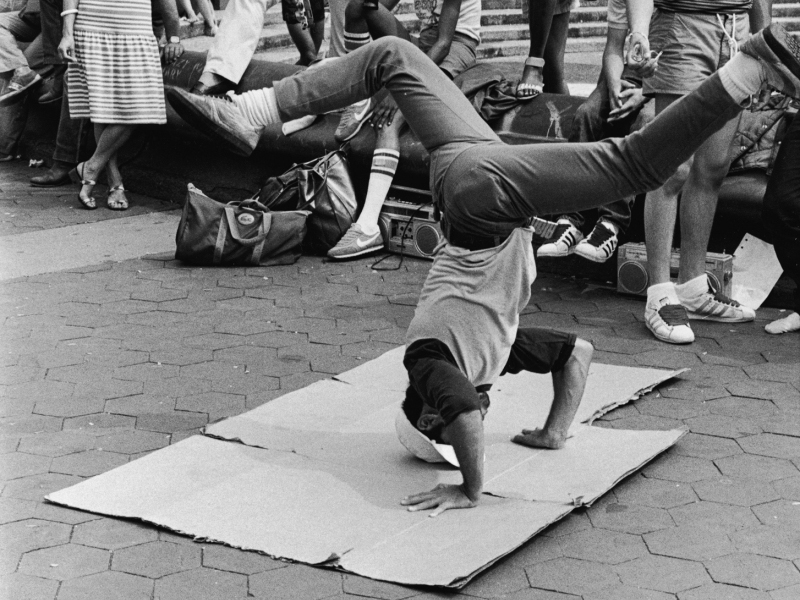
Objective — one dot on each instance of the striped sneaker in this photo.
(600, 244)
(711, 306)
(566, 237)
(668, 322)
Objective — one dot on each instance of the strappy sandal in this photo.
(116, 198)
(528, 91)
(76, 175)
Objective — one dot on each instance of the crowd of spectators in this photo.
(102, 60)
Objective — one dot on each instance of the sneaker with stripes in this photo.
(566, 237)
(600, 244)
(668, 321)
(352, 120)
(716, 306)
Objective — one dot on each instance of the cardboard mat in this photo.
(317, 475)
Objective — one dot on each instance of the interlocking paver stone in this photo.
(369, 588)
(571, 576)
(25, 587)
(706, 446)
(686, 469)
(602, 546)
(780, 513)
(108, 586)
(74, 406)
(662, 573)
(713, 514)
(132, 442)
(631, 518)
(18, 464)
(774, 372)
(224, 558)
(295, 581)
(762, 468)
(769, 444)
(12, 509)
(753, 571)
(171, 423)
(788, 488)
(87, 464)
(506, 578)
(140, 404)
(788, 593)
(67, 561)
(721, 591)
(156, 559)
(207, 584)
(692, 542)
(112, 534)
(60, 514)
(743, 492)
(722, 426)
(783, 422)
(768, 541)
(36, 487)
(627, 592)
(766, 390)
(99, 424)
(57, 443)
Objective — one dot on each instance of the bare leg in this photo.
(568, 386)
(304, 42)
(205, 8)
(379, 23)
(553, 72)
(110, 138)
(540, 19)
(185, 7)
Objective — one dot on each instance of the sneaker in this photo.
(668, 322)
(600, 244)
(567, 237)
(716, 306)
(353, 119)
(19, 84)
(780, 52)
(355, 243)
(218, 117)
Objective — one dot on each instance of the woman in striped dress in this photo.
(114, 79)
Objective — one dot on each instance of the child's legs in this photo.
(553, 71)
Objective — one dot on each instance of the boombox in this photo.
(407, 223)
(632, 275)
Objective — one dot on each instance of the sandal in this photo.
(528, 91)
(116, 198)
(77, 176)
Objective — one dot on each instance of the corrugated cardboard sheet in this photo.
(317, 476)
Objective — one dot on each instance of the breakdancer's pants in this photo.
(483, 186)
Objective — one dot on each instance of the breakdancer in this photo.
(465, 327)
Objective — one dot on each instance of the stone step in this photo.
(790, 23)
(789, 9)
(495, 33)
(513, 16)
(520, 47)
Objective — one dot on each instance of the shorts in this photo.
(693, 46)
(462, 53)
(289, 10)
(565, 6)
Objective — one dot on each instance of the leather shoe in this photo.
(218, 89)
(50, 179)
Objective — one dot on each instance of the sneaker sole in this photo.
(359, 253)
(547, 255)
(592, 257)
(355, 133)
(700, 317)
(786, 48)
(12, 97)
(198, 119)
(666, 339)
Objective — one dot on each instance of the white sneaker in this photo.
(599, 246)
(668, 321)
(566, 237)
(711, 306)
(355, 243)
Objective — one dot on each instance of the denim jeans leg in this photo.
(12, 124)
(12, 30)
(781, 209)
(70, 136)
(50, 15)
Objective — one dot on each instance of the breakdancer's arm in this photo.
(465, 434)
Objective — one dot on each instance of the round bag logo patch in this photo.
(246, 219)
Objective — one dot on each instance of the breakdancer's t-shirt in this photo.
(471, 301)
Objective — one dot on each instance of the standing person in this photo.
(114, 79)
(306, 25)
(548, 22)
(695, 38)
(780, 214)
(467, 320)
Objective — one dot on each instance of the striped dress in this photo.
(117, 76)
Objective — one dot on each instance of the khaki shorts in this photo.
(693, 47)
(462, 50)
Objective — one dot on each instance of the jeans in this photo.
(51, 30)
(591, 125)
(780, 212)
(13, 29)
(483, 186)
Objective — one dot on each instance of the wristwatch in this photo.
(174, 39)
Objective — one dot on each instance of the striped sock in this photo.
(384, 165)
(354, 41)
(260, 107)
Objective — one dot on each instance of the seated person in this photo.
(16, 74)
(488, 192)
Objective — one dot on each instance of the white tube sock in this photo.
(742, 76)
(354, 41)
(260, 107)
(384, 166)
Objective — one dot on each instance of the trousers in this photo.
(13, 29)
(483, 186)
(780, 211)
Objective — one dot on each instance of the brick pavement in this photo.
(103, 364)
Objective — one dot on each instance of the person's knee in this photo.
(354, 11)
(674, 184)
(581, 356)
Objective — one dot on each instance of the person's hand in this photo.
(640, 60)
(443, 497)
(66, 48)
(384, 113)
(630, 100)
(171, 52)
(614, 86)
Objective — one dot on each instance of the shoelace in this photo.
(723, 299)
(673, 314)
(599, 235)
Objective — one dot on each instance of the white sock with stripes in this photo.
(742, 76)
(260, 107)
(354, 41)
(384, 166)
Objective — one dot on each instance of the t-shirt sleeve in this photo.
(444, 387)
(617, 17)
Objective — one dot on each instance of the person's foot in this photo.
(56, 91)
(667, 320)
(19, 84)
(219, 118)
(780, 52)
(785, 325)
(117, 200)
(566, 237)
(352, 120)
(716, 306)
(531, 83)
(88, 180)
(600, 244)
(539, 438)
(55, 176)
(355, 243)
